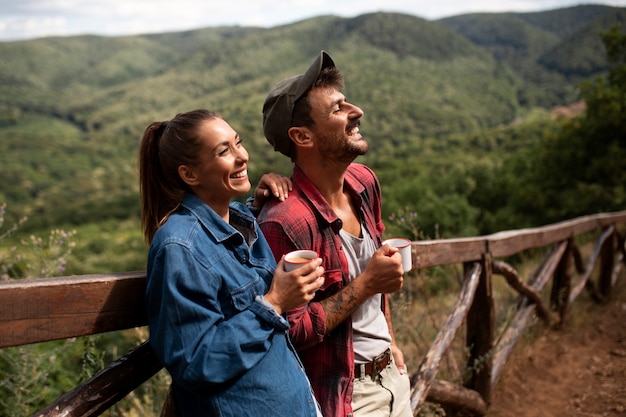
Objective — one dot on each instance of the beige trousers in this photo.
(387, 395)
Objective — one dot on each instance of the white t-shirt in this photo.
(370, 332)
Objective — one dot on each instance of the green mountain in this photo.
(72, 109)
(551, 51)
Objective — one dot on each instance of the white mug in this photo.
(297, 258)
(404, 247)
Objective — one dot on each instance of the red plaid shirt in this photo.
(306, 221)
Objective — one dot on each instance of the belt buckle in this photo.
(382, 356)
(362, 368)
(378, 360)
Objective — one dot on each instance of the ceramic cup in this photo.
(404, 247)
(298, 258)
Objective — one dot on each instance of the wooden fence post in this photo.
(480, 333)
(607, 258)
(562, 283)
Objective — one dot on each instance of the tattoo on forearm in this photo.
(339, 306)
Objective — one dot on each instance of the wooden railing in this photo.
(39, 310)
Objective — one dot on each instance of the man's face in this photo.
(336, 127)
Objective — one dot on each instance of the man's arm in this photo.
(382, 275)
(398, 356)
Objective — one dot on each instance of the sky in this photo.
(28, 19)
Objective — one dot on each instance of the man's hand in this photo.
(398, 358)
(383, 273)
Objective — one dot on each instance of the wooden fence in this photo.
(39, 310)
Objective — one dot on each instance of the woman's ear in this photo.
(188, 175)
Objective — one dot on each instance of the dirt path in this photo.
(577, 371)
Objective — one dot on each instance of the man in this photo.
(344, 335)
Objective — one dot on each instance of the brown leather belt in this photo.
(374, 367)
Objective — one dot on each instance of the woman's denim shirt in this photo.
(227, 350)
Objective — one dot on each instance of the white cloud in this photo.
(32, 27)
(36, 18)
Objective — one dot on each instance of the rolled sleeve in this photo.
(267, 312)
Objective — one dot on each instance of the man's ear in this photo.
(301, 136)
(188, 175)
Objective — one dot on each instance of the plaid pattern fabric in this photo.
(306, 221)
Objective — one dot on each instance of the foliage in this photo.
(550, 50)
(36, 257)
(596, 141)
(73, 109)
(451, 124)
(33, 376)
(576, 167)
(459, 129)
(109, 246)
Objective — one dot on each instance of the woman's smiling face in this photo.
(221, 170)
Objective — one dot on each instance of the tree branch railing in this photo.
(38, 310)
(555, 265)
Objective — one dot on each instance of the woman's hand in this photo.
(271, 185)
(293, 289)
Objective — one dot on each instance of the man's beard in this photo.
(341, 148)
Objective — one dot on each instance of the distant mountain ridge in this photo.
(547, 49)
(83, 101)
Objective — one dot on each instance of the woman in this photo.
(215, 296)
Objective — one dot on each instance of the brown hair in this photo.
(328, 77)
(163, 148)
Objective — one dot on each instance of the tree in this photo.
(591, 150)
(581, 168)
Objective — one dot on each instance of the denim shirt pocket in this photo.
(250, 297)
(244, 296)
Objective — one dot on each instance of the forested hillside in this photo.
(445, 102)
(552, 51)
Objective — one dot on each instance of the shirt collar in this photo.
(213, 223)
(354, 187)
